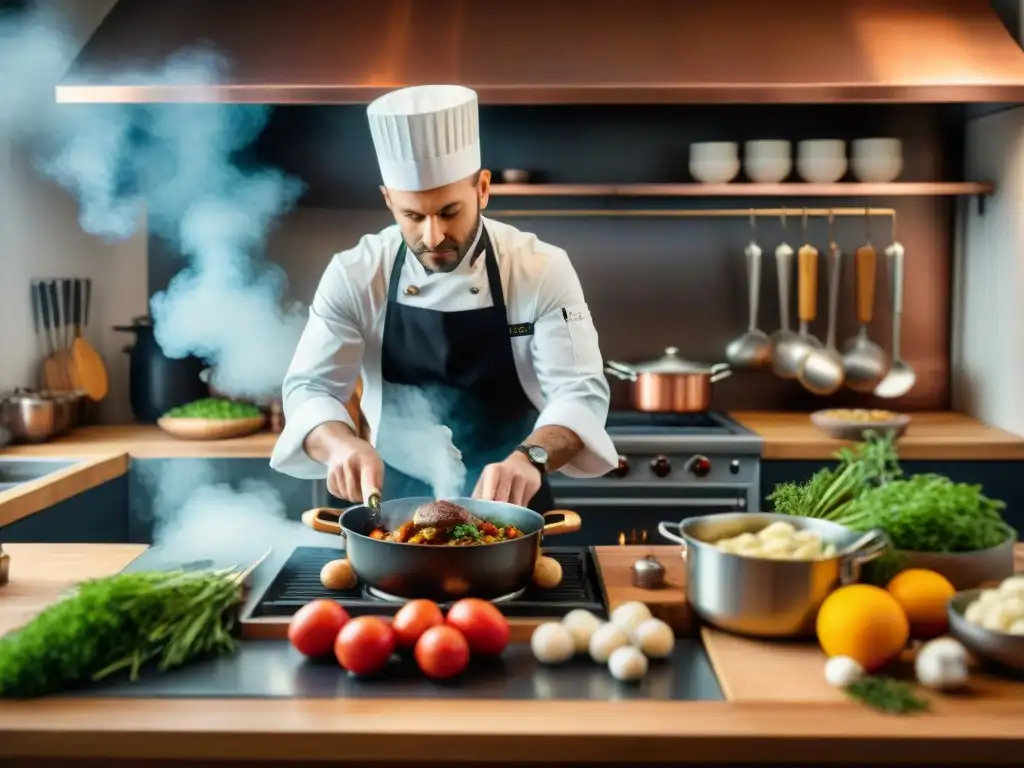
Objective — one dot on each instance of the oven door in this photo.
(616, 515)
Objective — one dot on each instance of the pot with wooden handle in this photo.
(437, 571)
(670, 384)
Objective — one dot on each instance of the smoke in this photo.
(183, 167)
(197, 515)
(425, 449)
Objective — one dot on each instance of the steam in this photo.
(179, 166)
(425, 449)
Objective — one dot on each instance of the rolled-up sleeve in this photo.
(322, 375)
(570, 369)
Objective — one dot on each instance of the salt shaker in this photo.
(648, 573)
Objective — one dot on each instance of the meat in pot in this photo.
(446, 523)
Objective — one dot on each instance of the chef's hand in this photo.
(514, 480)
(354, 471)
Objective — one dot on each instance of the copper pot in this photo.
(670, 384)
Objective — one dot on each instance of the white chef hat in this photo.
(426, 136)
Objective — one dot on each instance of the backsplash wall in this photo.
(653, 283)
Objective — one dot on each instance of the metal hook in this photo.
(867, 222)
(831, 220)
(753, 222)
(894, 226)
(803, 225)
(782, 216)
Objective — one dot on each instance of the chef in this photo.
(484, 322)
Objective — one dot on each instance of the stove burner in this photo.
(381, 595)
(703, 420)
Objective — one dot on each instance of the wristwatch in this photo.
(537, 456)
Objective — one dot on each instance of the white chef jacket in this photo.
(560, 367)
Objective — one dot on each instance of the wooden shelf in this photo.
(745, 189)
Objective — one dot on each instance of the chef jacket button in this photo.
(474, 289)
(412, 290)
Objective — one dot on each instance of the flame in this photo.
(622, 538)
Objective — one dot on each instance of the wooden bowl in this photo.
(210, 429)
(840, 428)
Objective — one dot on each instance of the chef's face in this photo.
(439, 225)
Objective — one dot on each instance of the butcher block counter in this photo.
(777, 709)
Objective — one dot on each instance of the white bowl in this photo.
(714, 150)
(877, 160)
(768, 161)
(710, 171)
(821, 148)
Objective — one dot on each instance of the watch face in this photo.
(537, 455)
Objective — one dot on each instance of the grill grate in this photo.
(298, 582)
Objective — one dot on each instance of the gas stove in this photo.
(298, 581)
(671, 465)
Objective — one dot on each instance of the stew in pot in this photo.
(447, 524)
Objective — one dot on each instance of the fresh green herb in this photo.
(830, 492)
(464, 531)
(214, 408)
(886, 694)
(930, 513)
(121, 622)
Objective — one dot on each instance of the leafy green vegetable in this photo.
(830, 492)
(214, 408)
(886, 694)
(464, 531)
(121, 622)
(930, 513)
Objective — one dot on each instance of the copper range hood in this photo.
(550, 52)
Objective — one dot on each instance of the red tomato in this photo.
(413, 619)
(364, 645)
(442, 652)
(315, 626)
(483, 625)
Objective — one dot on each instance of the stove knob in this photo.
(734, 467)
(699, 466)
(622, 469)
(661, 466)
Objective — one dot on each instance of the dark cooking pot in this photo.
(670, 384)
(438, 572)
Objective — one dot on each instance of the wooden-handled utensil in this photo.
(88, 365)
(864, 362)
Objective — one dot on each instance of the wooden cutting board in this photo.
(756, 670)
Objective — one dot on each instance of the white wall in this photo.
(988, 319)
(40, 237)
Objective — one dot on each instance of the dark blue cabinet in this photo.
(1000, 479)
(96, 516)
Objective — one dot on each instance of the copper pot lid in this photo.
(670, 363)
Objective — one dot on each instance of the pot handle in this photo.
(319, 519)
(872, 546)
(619, 373)
(664, 530)
(719, 371)
(570, 522)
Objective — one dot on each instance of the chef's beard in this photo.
(447, 256)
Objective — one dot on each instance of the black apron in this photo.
(462, 361)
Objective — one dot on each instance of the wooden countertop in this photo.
(968, 730)
(105, 450)
(938, 436)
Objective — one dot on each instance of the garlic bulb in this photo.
(583, 624)
(627, 663)
(630, 615)
(942, 664)
(841, 671)
(605, 640)
(552, 643)
(655, 638)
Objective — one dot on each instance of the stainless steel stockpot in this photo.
(760, 597)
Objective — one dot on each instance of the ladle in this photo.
(821, 371)
(783, 340)
(790, 356)
(753, 348)
(864, 362)
(901, 377)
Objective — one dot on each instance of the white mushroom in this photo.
(552, 643)
(841, 671)
(655, 638)
(942, 664)
(627, 663)
(630, 615)
(582, 624)
(605, 640)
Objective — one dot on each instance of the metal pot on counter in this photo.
(670, 384)
(35, 417)
(762, 597)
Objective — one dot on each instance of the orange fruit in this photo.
(865, 623)
(924, 596)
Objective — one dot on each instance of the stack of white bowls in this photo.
(767, 161)
(877, 161)
(821, 161)
(714, 162)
